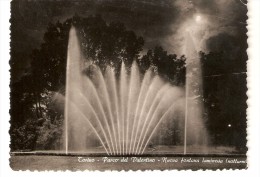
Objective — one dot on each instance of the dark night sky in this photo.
(160, 22)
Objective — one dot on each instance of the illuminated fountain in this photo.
(120, 113)
(194, 99)
(194, 107)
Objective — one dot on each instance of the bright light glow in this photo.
(229, 125)
(198, 18)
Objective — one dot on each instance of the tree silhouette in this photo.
(166, 65)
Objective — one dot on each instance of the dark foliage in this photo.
(166, 65)
(224, 82)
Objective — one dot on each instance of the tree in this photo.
(166, 65)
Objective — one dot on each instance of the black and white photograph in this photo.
(128, 85)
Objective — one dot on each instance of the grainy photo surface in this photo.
(128, 85)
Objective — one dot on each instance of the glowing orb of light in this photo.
(229, 125)
(198, 18)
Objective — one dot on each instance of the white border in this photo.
(253, 103)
